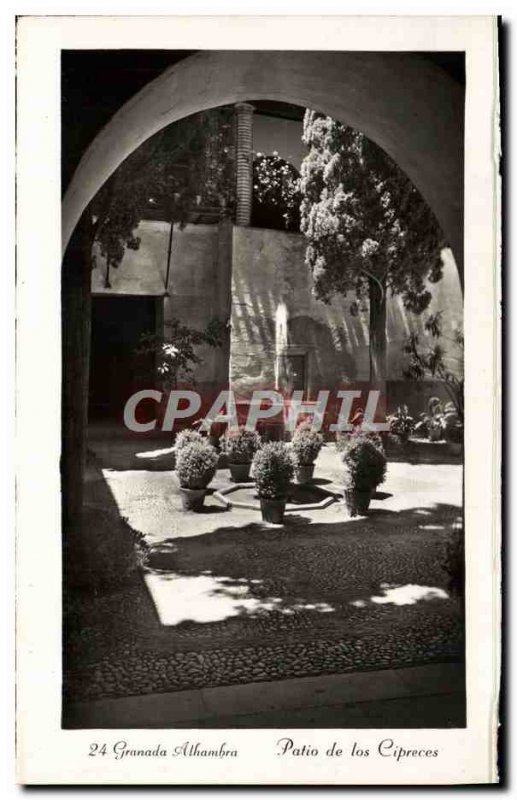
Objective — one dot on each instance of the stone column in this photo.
(244, 162)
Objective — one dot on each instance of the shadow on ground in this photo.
(253, 603)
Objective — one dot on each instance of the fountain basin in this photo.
(300, 497)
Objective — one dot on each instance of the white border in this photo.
(46, 753)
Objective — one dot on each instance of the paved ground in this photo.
(235, 601)
(430, 696)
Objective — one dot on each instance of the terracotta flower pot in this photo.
(357, 501)
(240, 472)
(273, 510)
(192, 499)
(303, 473)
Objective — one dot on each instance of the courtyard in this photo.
(224, 599)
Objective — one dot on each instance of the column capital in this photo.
(244, 107)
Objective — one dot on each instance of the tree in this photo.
(187, 164)
(369, 231)
(181, 167)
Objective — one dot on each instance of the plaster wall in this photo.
(197, 288)
(269, 274)
(245, 275)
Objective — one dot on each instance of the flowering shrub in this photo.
(306, 445)
(186, 437)
(365, 464)
(240, 446)
(196, 465)
(273, 469)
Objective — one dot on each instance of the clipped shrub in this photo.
(345, 439)
(306, 445)
(240, 446)
(365, 464)
(188, 436)
(196, 465)
(273, 469)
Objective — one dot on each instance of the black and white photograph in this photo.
(263, 455)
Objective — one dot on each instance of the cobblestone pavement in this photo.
(237, 601)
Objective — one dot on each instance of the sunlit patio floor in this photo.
(229, 600)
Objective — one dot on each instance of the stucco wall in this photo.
(268, 273)
(198, 289)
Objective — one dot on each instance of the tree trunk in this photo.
(377, 331)
(75, 327)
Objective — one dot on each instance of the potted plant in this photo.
(453, 426)
(273, 468)
(432, 421)
(195, 468)
(186, 437)
(306, 445)
(344, 439)
(365, 469)
(401, 424)
(240, 446)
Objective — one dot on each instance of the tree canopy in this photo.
(187, 164)
(369, 230)
(276, 193)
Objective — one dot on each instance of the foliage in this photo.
(369, 231)
(106, 554)
(240, 445)
(432, 361)
(276, 193)
(401, 423)
(273, 469)
(363, 216)
(186, 164)
(306, 445)
(175, 353)
(186, 437)
(196, 465)
(365, 464)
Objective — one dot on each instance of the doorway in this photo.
(117, 370)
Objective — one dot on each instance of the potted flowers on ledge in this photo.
(240, 446)
(195, 467)
(402, 424)
(365, 469)
(273, 469)
(306, 445)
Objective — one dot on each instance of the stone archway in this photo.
(406, 104)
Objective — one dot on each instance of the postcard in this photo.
(258, 400)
